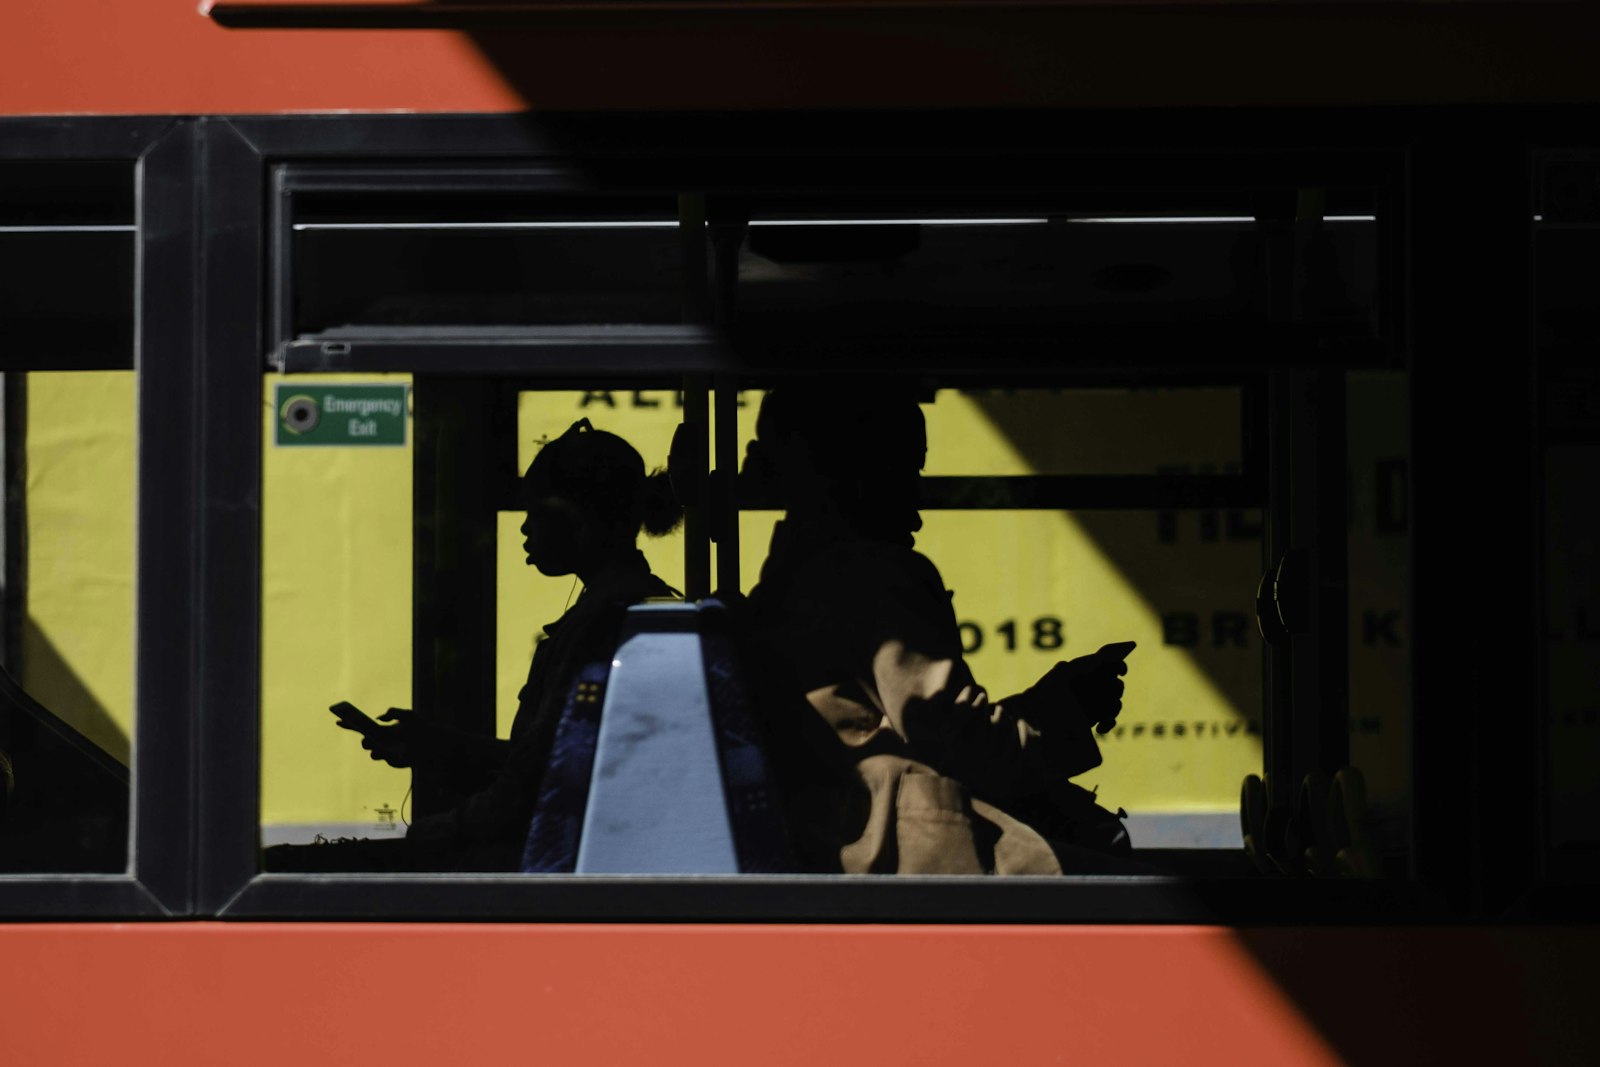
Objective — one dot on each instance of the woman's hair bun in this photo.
(659, 510)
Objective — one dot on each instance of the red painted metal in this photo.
(167, 57)
(395, 994)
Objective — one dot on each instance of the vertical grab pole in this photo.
(727, 230)
(1273, 222)
(13, 517)
(726, 503)
(696, 528)
(696, 398)
(1278, 722)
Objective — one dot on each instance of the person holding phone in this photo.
(891, 756)
(587, 498)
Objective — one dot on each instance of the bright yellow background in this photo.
(1024, 565)
(337, 591)
(336, 580)
(528, 600)
(77, 643)
(335, 619)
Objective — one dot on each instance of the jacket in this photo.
(892, 757)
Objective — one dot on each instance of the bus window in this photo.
(66, 264)
(484, 261)
(67, 516)
(66, 712)
(1572, 668)
(526, 599)
(1566, 304)
(1032, 587)
(1379, 603)
(940, 263)
(1085, 431)
(337, 544)
(1067, 509)
(1035, 587)
(396, 574)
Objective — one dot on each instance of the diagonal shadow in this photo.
(53, 682)
(66, 799)
(1163, 554)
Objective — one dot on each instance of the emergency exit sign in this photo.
(343, 415)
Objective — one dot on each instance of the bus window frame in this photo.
(694, 351)
(203, 229)
(155, 883)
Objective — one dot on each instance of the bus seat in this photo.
(658, 766)
(760, 836)
(552, 845)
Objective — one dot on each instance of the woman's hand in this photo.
(1090, 685)
(1097, 683)
(400, 744)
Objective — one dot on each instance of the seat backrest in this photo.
(755, 807)
(658, 765)
(553, 836)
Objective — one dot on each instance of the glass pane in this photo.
(66, 296)
(66, 710)
(1011, 432)
(527, 599)
(946, 265)
(486, 262)
(336, 589)
(395, 575)
(1380, 592)
(1179, 582)
(1572, 680)
(1567, 302)
(66, 264)
(1035, 587)
(1084, 431)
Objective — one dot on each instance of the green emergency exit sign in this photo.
(347, 415)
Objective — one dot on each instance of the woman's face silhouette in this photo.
(554, 535)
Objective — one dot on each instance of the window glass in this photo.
(1380, 592)
(1568, 305)
(1034, 265)
(1566, 302)
(484, 262)
(1572, 679)
(1084, 431)
(66, 713)
(527, 599)
(336, 604)
(66, 264)
(1034, 587)
(67, 514)
(395, 576)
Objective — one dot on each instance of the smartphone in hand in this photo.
(1116, 653)
(353, 718)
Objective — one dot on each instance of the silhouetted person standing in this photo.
(891, 756)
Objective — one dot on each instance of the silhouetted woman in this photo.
(587, 497)
(891, 757)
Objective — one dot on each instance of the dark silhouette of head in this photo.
(587, 497)
(852, 449)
